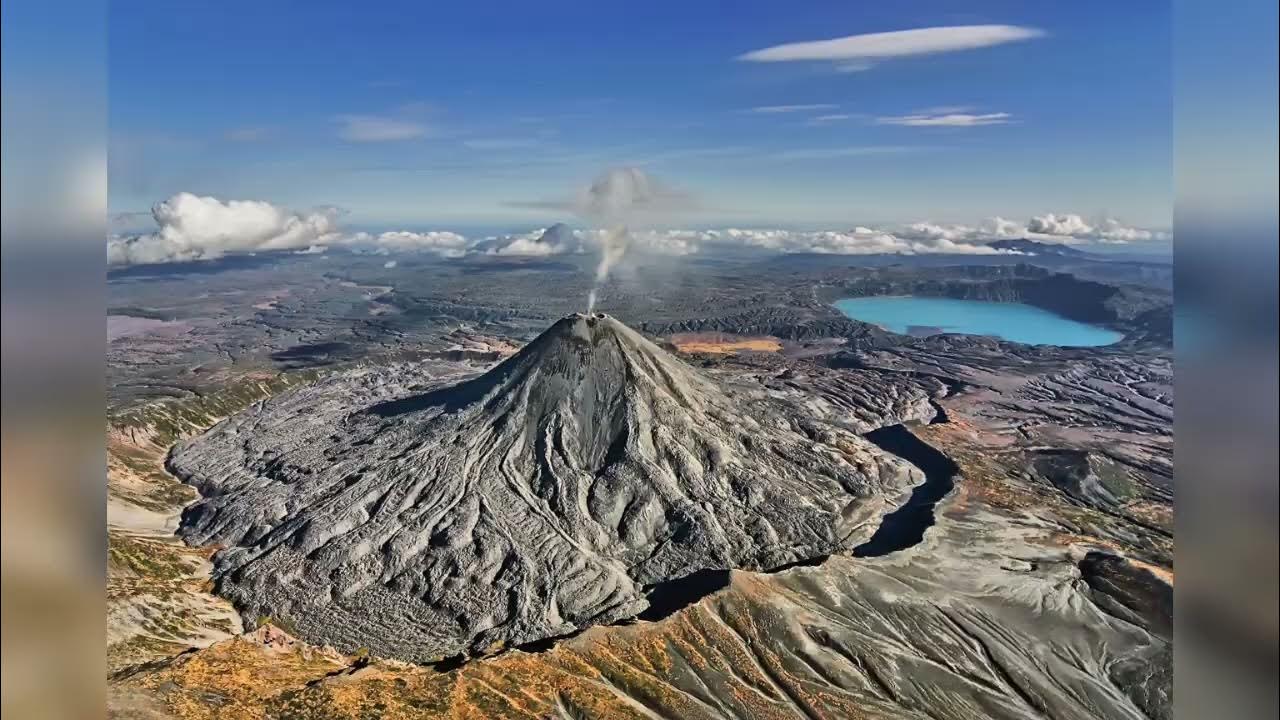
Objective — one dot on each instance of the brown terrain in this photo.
(723, 343)
(844, 639)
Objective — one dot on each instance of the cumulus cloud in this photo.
(555, 240)
(855, 53)
(1113, 231)
(1064, 225)
(919, 238)
(858, 241)
(376, 128)
(191, 227)
(1055, 228)
(440, 242)
(1069, 227)
(527, 246)
(949, 119)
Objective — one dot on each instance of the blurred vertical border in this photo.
(54, 80)
(1225, 257)
(53, 73)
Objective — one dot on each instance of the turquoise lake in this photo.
(1009, 321)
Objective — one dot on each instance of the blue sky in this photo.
(427, 115)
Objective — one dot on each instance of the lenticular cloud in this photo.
(863, 50)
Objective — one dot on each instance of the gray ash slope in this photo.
(536, 499)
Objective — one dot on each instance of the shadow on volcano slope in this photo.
(905, 526)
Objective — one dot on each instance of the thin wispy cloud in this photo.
(854, 66)
(129, 219)
(832, 153)
(949, 119)
(832, 118)
(855, 53)
(692, 153)
(500, 143)
(376, 128)
(249, 134)
(777, 109)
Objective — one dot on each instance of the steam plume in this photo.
(612, 248)
(620, 197)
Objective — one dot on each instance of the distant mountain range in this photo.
(1038, 248)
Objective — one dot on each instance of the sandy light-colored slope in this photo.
(987, 618)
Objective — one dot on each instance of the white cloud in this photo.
(441, 242)
(555, 240)
(841, 152)
(826, 119)
(869, 241)
(858, 241)
(529, 247)
(1069, 227)
(500, 143)
(688, 153)
(1065, 225)
(999, 227)
(389, 264)
(951, 119)
(375, 128)
(854, 66)
(627, 194)
(1112, 231)
(859, 52)
(192, 227)
(657, 242)
(775, 109)
(933, 232)
(249, 134)
(673, 242)
(1063, 229)
(204, 228)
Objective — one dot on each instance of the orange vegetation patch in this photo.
(721, 647)
(723, 344)
(1164, 574)
(1089, 542)
(1152, 513)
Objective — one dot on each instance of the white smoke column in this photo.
(617, 198)
(612, 247)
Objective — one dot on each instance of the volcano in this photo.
(548, 494)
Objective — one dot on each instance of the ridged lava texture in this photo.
(528, 502)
